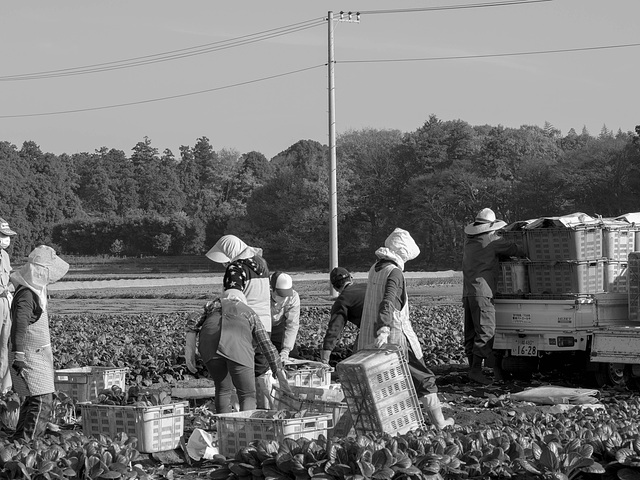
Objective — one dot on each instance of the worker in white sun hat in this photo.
(247, 271)
(285, 314)
(480, 266)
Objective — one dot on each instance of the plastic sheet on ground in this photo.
(553, 395)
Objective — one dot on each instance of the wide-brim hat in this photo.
(485, 222)
(4, 228)
(229, 248)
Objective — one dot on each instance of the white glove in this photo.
(382, 337)
(190, 351)
(284, 356)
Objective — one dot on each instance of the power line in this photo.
(453, 7)
(160, 99)
(169, 55)
(293, 72)
(493, 55)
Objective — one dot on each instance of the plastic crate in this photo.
(515, 236)
(84, 383)
(546, 244)
(238, 430)
(379, 391)
(616, 279)
(513, 279)
(633, 279)
(618, 242)
(562, 278)
(330, 393)
(157, 428)
(309, 374)
(342, 423)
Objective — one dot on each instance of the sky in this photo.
(79, 75)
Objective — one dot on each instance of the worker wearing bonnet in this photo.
(385, 317)
(32, 371)
(248, 272)
(483, 248)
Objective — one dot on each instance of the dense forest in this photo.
(431, 181)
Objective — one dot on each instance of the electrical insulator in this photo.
(341, 15)
(349, 15)
(357, 16)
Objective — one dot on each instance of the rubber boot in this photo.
(433, 407)
(475, 372)
(499, 375)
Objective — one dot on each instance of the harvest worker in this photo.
(6, 289)
(480, 267)
(385, 317)
(229, 332)
(285, 314)
(346, 308)
(31, 357)
(248, 272)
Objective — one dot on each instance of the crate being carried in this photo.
(83, 384)
(238, 430)
(379, 391)
(301, 401)
(571, 237)
(307, 373)
(157, 427)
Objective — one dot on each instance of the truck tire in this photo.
(609, 374)
(520, 367)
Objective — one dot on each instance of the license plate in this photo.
(524, 348)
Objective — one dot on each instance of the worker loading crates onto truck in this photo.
(575, 300)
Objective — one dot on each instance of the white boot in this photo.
(432, 404)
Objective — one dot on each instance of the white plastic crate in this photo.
(157, 427)
(84, 383)
(238, 430)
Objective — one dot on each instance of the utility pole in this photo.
(333, 185)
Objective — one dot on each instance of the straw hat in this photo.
(485, 222)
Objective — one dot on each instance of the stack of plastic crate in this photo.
(566, 259)
(633, 272)
(379, 391)
(618, 241)
(514, 278)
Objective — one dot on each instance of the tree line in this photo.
(431, 181)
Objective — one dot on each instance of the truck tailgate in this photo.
(616, 345)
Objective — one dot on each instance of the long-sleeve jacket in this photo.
(211, 321)
(481, 263)
(346, 308)
(285, 316)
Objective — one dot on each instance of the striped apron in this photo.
(401, 333)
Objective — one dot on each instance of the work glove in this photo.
(283, 383)
(18, 366)
(324, 356)
(382, 337)
(284, 356)
(190, 351)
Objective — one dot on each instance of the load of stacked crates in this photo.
(569, 255)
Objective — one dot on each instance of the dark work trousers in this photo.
(423, 378)
(226, 375)
(479, 326)
(35, 414)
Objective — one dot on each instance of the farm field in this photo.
(495, 436)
